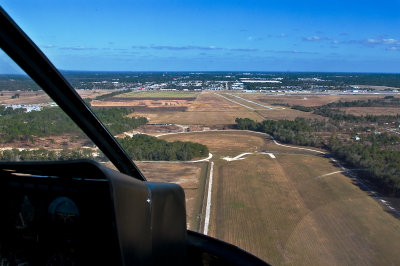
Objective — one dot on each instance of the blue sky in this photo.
(231, 35)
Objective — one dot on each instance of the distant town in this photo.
(288, 83)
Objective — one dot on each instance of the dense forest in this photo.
(299, 132)
(117, 120)
(19, 125)
(138, 147)
(339, 115)
(144, 147)
(381, 165)
(387, 101)
(17, 82)
(373, 154)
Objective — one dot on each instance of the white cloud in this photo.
(316, 38)
(290, 52)
(371, 42)
(391, 41)
(243, 49)
(186, 47)
(195, 47)
(48, 46)
(77, 48)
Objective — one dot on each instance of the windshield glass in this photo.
(33, 127)
(281, 120)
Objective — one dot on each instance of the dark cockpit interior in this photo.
(69, 213)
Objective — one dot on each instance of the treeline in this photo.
(117, 120)
(390, 80)
(111, 94)
(372, 154)
(144, 147)
(329, 110)
(258, 86)
(90, 80)
(339, 115)
(18, 125)
(382, 166)
(17, 83)
(299, 132)
(46, 155)
(138, 147)
(9, 111)
(303, 108)
(381, 102)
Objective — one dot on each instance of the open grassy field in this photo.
(196, 118)
(287, 114)
(249, 103)
(263, 108)
(40, 97)
(223, 142)
(25, 97)
(371, 110)
(151, 101)
(146, 104)
(234, 142)
(208, 109)
(190, 176)
(93, 93)
(287, 211)
(160, 94)
(305, 99)
(211, 102)
(281, 210)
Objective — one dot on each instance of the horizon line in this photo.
(209, 71)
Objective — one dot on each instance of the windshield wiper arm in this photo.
(31, 59)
